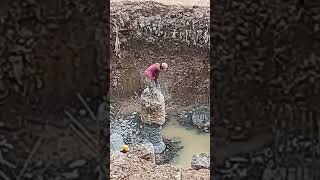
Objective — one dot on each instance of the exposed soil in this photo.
(177, 2)
(132, 168)
(187, 79)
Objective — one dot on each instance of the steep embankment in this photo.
(149, 32)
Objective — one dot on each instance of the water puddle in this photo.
(191, 140)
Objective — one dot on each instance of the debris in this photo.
(200, 161)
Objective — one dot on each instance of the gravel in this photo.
(200, 161)
(197, 117)
(129, 127)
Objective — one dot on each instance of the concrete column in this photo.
(152, 134)
(153, 117)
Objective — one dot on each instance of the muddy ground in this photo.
(128, 123)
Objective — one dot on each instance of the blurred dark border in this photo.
(264, 89)
(55, 66)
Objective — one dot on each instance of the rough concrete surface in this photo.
(152, 107)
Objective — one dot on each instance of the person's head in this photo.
(164, 66)
(125, 148)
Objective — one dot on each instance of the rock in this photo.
(152, 106)
(144, 151)
(152, 133)
(201, 119)
(116, 142)
(200, 161)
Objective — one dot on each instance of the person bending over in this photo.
(153, 71)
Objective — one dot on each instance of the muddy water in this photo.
(192, 142)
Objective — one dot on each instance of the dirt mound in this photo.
(132, 168)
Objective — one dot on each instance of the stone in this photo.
(116, 142)
(152, 106)
(200, 161)
(201, 119)
(152, 133)
(144, 151)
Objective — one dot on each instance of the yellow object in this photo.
(125, 148)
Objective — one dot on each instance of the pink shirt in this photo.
(152, 71)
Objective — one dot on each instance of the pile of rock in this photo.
(170, 153)
(198, 117)
(129, 126)
(144, 151)
(200, 161)
(127, 129)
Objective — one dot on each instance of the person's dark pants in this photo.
(151, 84)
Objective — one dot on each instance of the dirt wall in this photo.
(147, 32)
(43, 59)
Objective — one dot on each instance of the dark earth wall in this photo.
(50, 51)
(43, 59)
(265, 58)
(266, 93)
